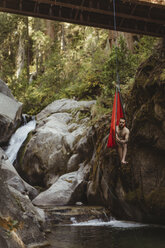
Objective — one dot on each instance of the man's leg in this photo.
(120, 151)
(124, 153)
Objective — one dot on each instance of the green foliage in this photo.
(85, 83)
(145, 47)
(7, 52)
(44, 89)
(12, 29)
(122, 63)
(77, 63)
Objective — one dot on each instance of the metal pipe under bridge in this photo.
(132, 16)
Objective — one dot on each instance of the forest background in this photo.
(42, 61)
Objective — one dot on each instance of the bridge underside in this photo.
(131, 15)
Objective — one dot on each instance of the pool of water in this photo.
(112, 234)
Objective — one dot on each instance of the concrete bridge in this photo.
(132, 16)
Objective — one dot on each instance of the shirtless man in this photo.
(122, 135)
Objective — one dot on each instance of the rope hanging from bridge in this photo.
(118, 110)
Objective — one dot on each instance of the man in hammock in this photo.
(122, 136)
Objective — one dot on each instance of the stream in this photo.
(112, 234)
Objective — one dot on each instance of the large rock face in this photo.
(13, 179)
(147, 140)
(136, 191)
(62, 140)
(17, 213)
(68, 189)
(10, 113)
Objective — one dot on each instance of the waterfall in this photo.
(18, 138)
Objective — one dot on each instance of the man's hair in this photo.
(122, 119)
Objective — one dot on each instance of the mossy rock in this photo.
(162, 76)
(134, 197)
(156, 199)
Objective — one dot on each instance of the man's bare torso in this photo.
(122, 133)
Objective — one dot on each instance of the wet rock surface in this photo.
(61, 215)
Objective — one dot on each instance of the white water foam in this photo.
(18, 138)
(113, 223)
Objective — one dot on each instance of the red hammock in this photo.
(117, 113)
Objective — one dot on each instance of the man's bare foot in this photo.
(124, 162)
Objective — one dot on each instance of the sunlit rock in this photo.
(10, 113)
(5, 90)
(60, 134)
(68, 189)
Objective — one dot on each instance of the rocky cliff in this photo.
(17, 213)
(146, 108)
(136, 191)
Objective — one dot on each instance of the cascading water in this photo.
(112, 223)
(18, 138)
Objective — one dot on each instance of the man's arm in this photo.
(117, 136)
(126, 137)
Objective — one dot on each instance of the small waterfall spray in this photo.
(18, 138)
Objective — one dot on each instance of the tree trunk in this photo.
(50, 30)
(113, 35)
(27, 47)
(63, 42)
(20, 58)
